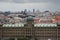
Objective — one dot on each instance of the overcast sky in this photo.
(17, 5)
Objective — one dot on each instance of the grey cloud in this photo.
(29, 1)
(6, 0)
(56, 2)
(1, 0)
(24, 1)
(18, 1)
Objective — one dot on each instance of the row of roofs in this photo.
(15, 17)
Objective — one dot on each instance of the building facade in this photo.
(30, 32)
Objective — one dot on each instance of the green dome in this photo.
(30, 18)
